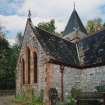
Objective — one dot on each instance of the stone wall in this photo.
(86, 79)
(72, 78)
(92, 77)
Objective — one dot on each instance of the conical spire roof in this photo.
(74, 24)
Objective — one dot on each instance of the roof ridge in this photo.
(92, 35)
(54, 35)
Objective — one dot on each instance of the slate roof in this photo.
(61, 51)
(93, 48)
(65, 52)
(57, 49)
(74, 23)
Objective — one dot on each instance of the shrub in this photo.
(100, 88)
(75, 92)
(20, 99)
(71, 101)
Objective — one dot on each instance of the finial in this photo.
(74, 5)
(29, 14)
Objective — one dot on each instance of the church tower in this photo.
(75, 29)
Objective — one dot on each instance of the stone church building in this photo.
(47, 61)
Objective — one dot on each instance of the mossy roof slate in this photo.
(58, 49)
(93, 48)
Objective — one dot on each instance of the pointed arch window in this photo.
(28, 56)
(23, 70)
(35, 67)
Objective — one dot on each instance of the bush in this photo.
(71, 101)
(100, 88)
(75, 92)
(20, 99)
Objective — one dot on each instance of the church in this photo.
(47, 61)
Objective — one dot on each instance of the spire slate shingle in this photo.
(74, 24)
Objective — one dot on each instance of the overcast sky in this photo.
(13, 13)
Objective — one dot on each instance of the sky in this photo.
(13, 13)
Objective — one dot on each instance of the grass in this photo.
(29, 98)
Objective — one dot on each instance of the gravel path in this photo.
(6, 100)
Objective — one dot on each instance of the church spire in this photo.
(74, 23)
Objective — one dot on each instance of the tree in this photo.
(90, 26)
(4, 49)
(8, 60)
(48, 26)
(19, 39)
(98, 24)
(94, 25)
(15, 50)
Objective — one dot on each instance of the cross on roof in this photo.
(76, 29)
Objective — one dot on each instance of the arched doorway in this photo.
(35, 67)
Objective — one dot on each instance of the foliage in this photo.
(90, 26)
(100, 88)
(94, 25)
(27, 100)
(104, 24)
(75, 92)
(19, 39)
(48, 26)
(4, 56)
(7, 54)
(8, 60)
(20, 99)
(41, 94)
(71, 100)
(7, 64)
